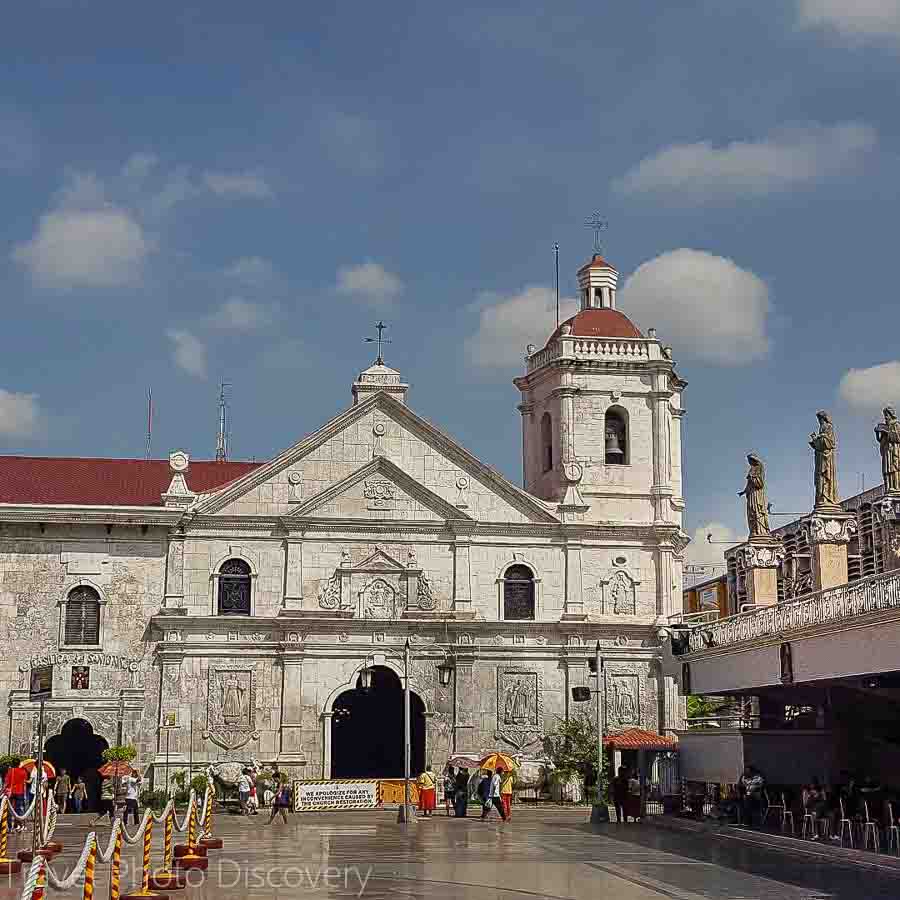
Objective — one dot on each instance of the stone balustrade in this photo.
(848, 601)
(584, 349)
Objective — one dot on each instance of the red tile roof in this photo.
(639, 739)
(598, 262)
(599, 322)
(105, 482)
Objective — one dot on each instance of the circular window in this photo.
(620, 560)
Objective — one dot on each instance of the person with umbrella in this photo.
(132, 784)
(112, 792)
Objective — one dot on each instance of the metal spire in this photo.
(222, 438)
(598, 225)
(379, 327)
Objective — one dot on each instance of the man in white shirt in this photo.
(132, 784)
(493, 798)
(244, 791)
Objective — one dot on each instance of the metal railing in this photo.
(868, 595)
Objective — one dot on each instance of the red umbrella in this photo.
(29, 765)
(115, 769)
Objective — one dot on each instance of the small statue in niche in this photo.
(232, 699)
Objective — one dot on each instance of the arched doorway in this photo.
(367, 729)
(80, 752)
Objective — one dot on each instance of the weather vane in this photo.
(597, 225)
(379, 327)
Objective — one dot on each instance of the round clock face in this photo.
(295, 478)
(178, 461)
(379, 429)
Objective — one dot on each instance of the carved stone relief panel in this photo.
(379, 600)
(520, 706)
(231, 705)
(623, 700)
(620, 596)
(379, 493)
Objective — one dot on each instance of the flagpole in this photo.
(556, 252)
(149, 422)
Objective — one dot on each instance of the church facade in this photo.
(213, 611)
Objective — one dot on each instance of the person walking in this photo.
(449, 787)
(61, 788)
(107, 802)
(132, 784)
(507, 778)
(79, 794)
(490, 791)
(282, 802)
(244, 791)
(620, 793)
(461, 794)
(427, 784)
(15, 784)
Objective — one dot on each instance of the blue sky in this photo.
(198, 191)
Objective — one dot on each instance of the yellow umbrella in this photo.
(29, 764)
(494, 761)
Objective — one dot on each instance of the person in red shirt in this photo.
(14, 784)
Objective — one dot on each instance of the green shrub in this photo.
(122, 753)
(156, 800)
(199, 785)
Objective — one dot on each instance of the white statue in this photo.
(232, 698)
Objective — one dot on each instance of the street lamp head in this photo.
(365, 678)
(445, 672)
(580, 694)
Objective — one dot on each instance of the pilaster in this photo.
(290, 751)
(293, 575)
(462, 576)
(760, 558)
(173, 603)
(465, 702)
(574, 608)
(829, 532)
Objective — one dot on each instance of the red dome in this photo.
(600, 323)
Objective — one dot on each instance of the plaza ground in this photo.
(542, 853)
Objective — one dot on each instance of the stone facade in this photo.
(375, 529)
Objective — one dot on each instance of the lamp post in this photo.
(405, 814)
(599, 810)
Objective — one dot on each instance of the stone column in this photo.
(465, 702)
(171, 742)
(290, 750)
(576, 669)
(664, 577)
(173, 604)
(829, 533)
(462, 577)
(292, 595)
(574, 605)
(760, 558)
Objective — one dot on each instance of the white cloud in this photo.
(701, 552)
(188, 352)
(240, 184)
(870, 390)
(859, 20)
(237, 314)
(703, 305)
(251, 270)
(352, 141)
(140, 165)
(369, 283)
(507, 324)
(792, 156)
(20, 414)
(85, 248)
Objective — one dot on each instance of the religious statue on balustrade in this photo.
(824, 445)
(755, 493)
(887, 434)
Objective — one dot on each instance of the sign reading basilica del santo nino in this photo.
(248, 598)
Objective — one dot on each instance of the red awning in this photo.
(639, 739)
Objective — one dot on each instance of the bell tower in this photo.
(601, 414)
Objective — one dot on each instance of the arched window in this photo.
(82, 626)
(234, 588)
(617, 444)
(518, 593)
(547, 442)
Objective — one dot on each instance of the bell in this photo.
(614, 451)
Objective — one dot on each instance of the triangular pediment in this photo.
(379, 428)
(378, 489)
(379, 560)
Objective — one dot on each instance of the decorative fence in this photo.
(868, 595)
(191, 855)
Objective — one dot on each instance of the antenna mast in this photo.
(149, 422)
(222, 439)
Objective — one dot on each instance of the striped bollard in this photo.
(208, 841)
(7, 866)
(166, 879)
(115, 873)
(90, 863)
(145, 869)
(191, 855)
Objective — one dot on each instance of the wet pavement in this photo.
(550, 853)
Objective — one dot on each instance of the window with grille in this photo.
(82, 626)
(234, 588)
(518, 593)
